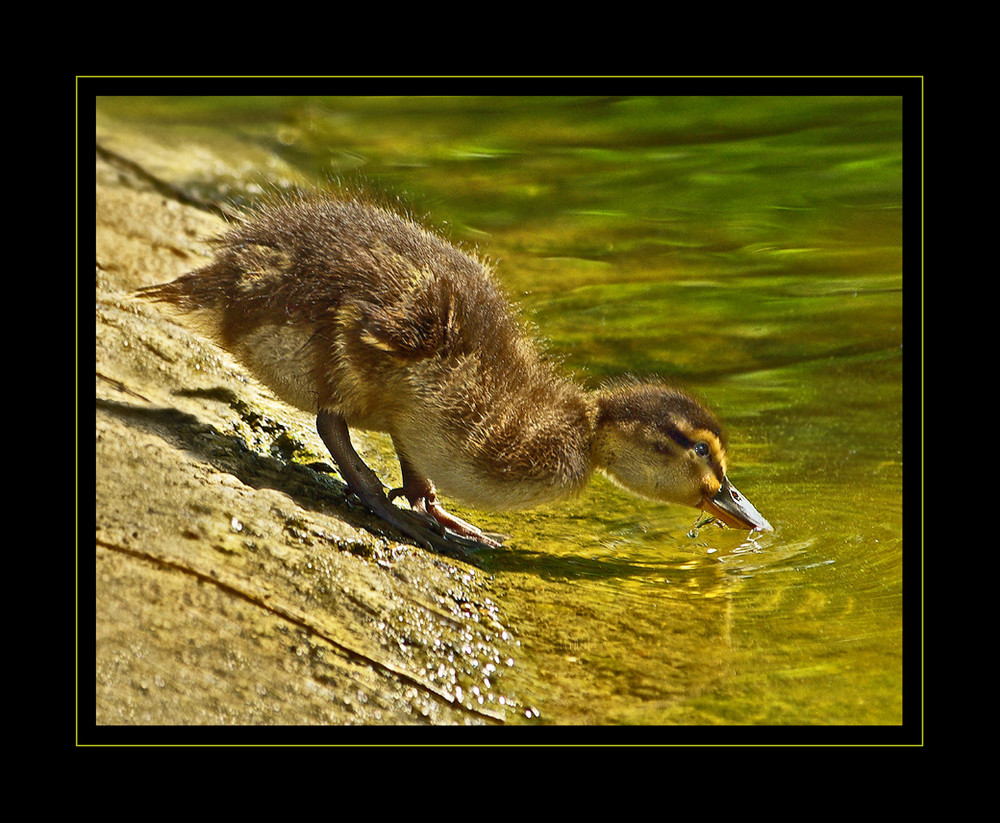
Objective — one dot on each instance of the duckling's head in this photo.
(661, 443)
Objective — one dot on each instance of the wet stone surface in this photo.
(235, 582)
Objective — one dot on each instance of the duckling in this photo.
(352, 311)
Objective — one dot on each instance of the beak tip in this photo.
(733, 509)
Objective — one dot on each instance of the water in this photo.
(749, 248)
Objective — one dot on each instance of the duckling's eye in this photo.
(701, 449)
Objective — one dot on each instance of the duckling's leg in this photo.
(420, 491)
(362, 481)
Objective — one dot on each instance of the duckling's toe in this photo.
(459, 526)
(417, 529)
(427, 506)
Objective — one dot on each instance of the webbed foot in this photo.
(428, 506)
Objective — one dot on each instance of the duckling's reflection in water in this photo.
(349, 310)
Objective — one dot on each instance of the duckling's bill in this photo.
(733, 509)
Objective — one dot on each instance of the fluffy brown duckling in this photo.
(353, 312)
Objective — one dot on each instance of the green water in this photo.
(747, 247)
